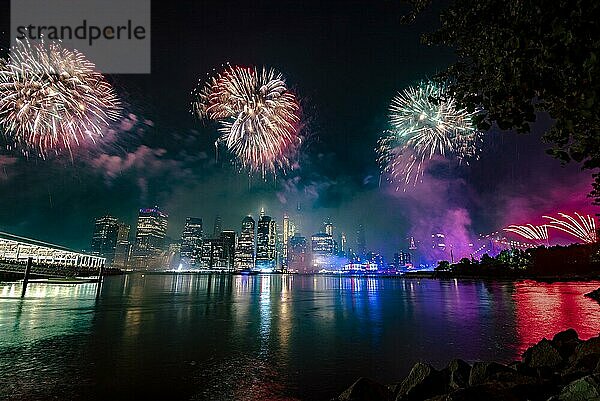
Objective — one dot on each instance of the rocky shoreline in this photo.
(565, 368)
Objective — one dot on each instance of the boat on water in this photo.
(245, 272)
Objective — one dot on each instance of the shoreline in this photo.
(564, 368)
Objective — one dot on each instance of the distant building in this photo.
(285, 240)
(402, 259)
(104, 238)
(123, 247)
(191, 242)
(299, 255)
(213, 254)
(266, 238)
(322, 246)
(218, 227)
(244, 252)
(149, 248)
(328, 227)
(229, 239)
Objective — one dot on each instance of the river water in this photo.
(278, 337)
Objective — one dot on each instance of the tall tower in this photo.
(244, 252)
(328, 227)
(286, 238)
(104, 239)
(191, 241)
(123, 247)
(266, 239)
(218, 227)
(150, 238)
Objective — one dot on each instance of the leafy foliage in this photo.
(516, 58)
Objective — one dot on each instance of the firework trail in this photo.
(579, 226)
(425, 124)
(52, 99)
(530, 232)
(258, 117)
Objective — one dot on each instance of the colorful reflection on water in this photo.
(279, 337)
(544, 309)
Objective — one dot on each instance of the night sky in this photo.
(345, 60)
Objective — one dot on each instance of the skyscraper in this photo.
(123, 246)
(285, 240)
(299, 255)
(218, 227)
(328, 227)
(191, 241)
(104, 239)
(322, 251)
(228, 238)
(149, 244)
(244, 253)
(266, 238)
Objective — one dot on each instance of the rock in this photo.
(458, 374)
(482, 372)
(422, 382)
(566, 342)
(595, 295)
(586, 356)
(365, 389)
(585, 389)
(498, 391)
(542, 355)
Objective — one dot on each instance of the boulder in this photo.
(585, 389)
(566, 342)
(365, 389)
(595, 295)
(498, 391)
(542, 355)
(482, 372)
(586, 356)
(422, 382)
(458, 372)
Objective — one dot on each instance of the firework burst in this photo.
(579, 226)
(530, 232)
(52, 99)
(258, 117)
(425, 124)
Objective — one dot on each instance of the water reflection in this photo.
(545, 309)
(220, 337)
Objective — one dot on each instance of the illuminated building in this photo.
(343, 243)
(266, 238)
(148, 250)
(213, 254)
(285, 240)
(218, 227)
(322, 247)
(328, 227)
(299, 255)
(191, 241)
(244, 252)
(402, 259)
(123, 246)
(104, 239)
(228, 238)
